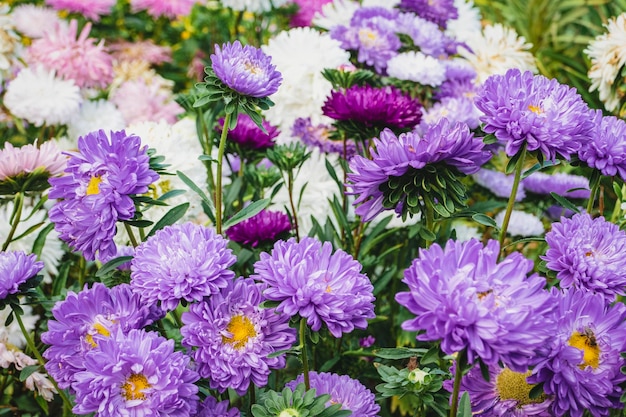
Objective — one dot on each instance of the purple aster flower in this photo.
(181, 262)
(374, 107)
(532, 110)
(505, 394)
(264, 227)
(566, 185)
(248, 135)
(232, 335)
(320, 136)
(464, 297)
(455, 109)
(367, 341)
(606, 151)
(588, 254)
(97, 189)
(555, 212)
(136, 374)
(437, 11)
(321, 286)
(15, 269)
(581, 363)
(460, 76)
(426, 35)
(83, 320)
(498, 183)
(451, 144)
(350, 393)
(211, 408)
(245, 69)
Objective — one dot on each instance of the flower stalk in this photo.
(509, 207)
(218, 176)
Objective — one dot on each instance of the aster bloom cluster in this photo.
(99, 182)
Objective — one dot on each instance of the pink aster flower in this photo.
(91, 9)
(142, 101)
(145, 50)
(73, 56)
(169, 8)
(26, 159)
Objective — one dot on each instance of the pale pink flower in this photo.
(73, 56)
(141, 50)
(28, 158)
(143, 100)
(169, 8)
(34, 21)
(91, 9)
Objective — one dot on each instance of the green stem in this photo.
(18, 205)
(33, 348)
(305, 360)
(595, 185)
(460, 364)
(205, 142)
(509, 207)
(251, 398)
(131, 235)
(218, 179)
(430, 222)
(291, 202)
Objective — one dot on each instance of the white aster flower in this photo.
(608, 56)
(93, 116)
(12, 335)
(387, 4)
(37, 96)
(468, 24)
(253, 6)
(34, 21)
(300, 54)
(417, 67)
(335, 13)
(464, 232)
(521, 224)
(41, 383)
(497, 50)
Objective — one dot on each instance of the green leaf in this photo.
(536, 391)
(328, 365)
(197, 190)
(28, 371)
(247, 212)
(432, 356)
(40, 241)
(564, 202)
(399, 353)
(171, 217)
(465, 408)
(112, 264)
(484, 220)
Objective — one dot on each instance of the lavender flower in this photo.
(136, 374)
(523, 109)
(320, 136)
(15, 269)
(264, 227)
(181, 262)
(462, 296)
(245, 69)
(249, 135)
(350, 393)
(566, 185)
(437, 11)
(426, 35)
(606, 151)
(321, 286)
(588, 254)
(83, 320)
(374, 107)
(581, 363)
(232, 336)
(498, 183)
(211, 408)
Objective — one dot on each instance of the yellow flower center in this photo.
(94, 185)
(100, 329)
(368, 37)
(241, 329)
(134, 386)
(535, 109)
(252, 69)
(587, 343)
(513, 386)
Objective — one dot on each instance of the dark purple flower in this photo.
(566, 185)
(532, 110)
(321, 286)
(374, 107)
(211, 408)
(452, 144)
(498, 183)
(581, 363)
(181, 262)
(15, 269)
(588, 254)
(464, 297)
(248, 135)
(136, 374)
(264, 227)
(367, 341)
(245, 69)
(350, 393)
(82, 320)
(319, 136)
(232, 335)
(437, 11)
(97, 189)
(606, 151)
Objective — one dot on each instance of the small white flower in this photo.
(522, 224)
(335, 13)
(465, 232)
(467, 24)
(417, 67)
(253, 6)
(93, 116)
(34, 21)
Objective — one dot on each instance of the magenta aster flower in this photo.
(306, 11)
(374, 107)
(581, 363)
(437, 11)
(91, 9)
(249, 135)
(566, 185)
(606, 151)
(350, 393)
(405, 156)
(321, 286)
(181, 262)
(211, 408)
(588, 254)
(168, 8)
(232, 335)
(136, 374)
(83, 320)
(245, 69)
(264, 227)
(532, 110)
(73, 56)
(15, 269)
(464, 297)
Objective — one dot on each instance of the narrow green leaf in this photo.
(465, 408)
(399, 353)
(197, 190)
(564, 202)
(171, 217)
(28, 371)
(247, 212)
(485, 220)
(112, 264)
(40, 241)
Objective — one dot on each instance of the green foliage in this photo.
(298, 403)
